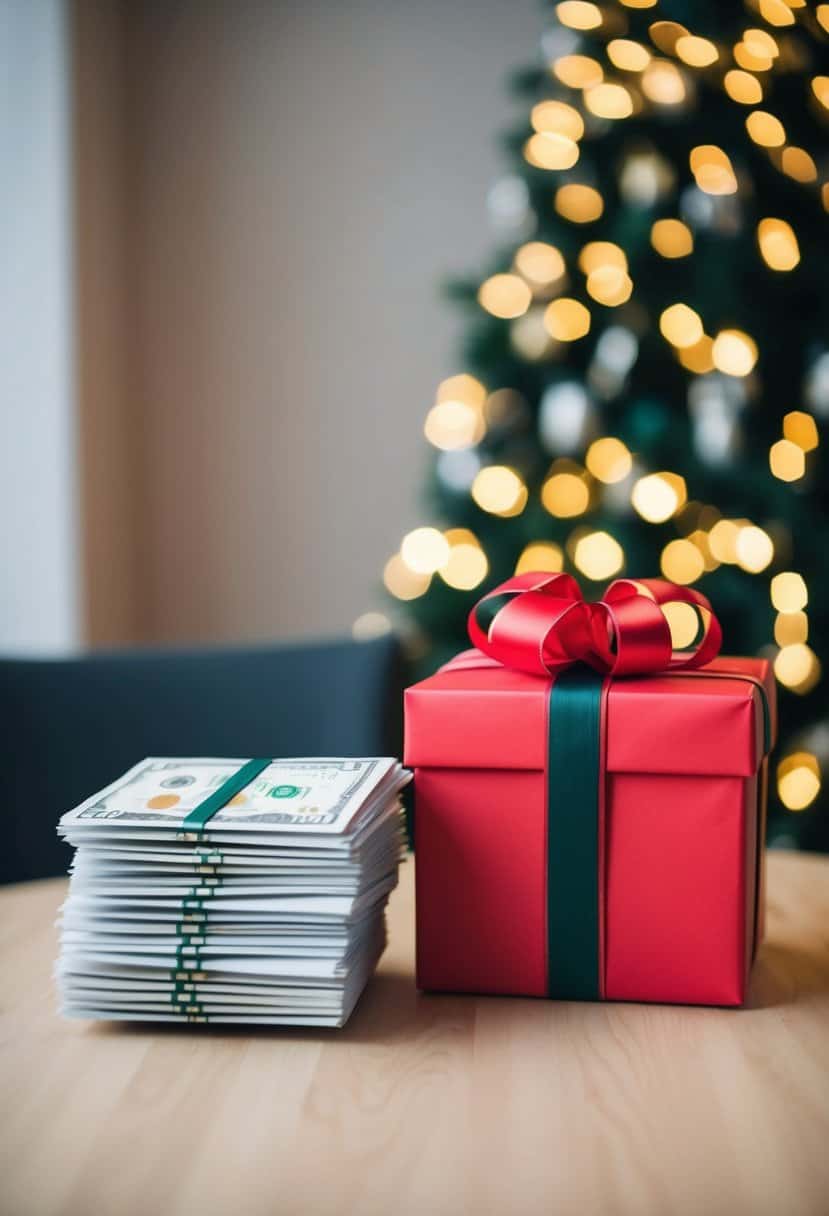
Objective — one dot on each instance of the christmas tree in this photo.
(645, 372)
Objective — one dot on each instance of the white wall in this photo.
(38, 532)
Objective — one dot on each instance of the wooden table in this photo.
(427, 1105)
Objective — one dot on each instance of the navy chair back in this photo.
(70, 726)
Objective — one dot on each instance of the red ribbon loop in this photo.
(541, 623)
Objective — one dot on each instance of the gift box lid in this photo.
(476, 713)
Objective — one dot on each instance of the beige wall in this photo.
(109, 432)
(295, 181)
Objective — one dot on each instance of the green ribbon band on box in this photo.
(574, 770)
(199, 816)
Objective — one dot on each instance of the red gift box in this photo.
(648, 889)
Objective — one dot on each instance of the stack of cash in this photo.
(230, 890)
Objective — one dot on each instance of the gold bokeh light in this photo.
(461, 387)
(540, 555)
(662, 83)
(797, 667)
(765, 129)
(565, 495)
(403, 583)
(666, 34)
(778, 244)
(672, 239)
(743, 87)
(801, 428)
(722, 540)
(557, 118)
(776, 12)
(504, 296)
(820, 88)
(452, 425)
(683, 622)
(579, 14)
(696, 52)
(798, 780)
(609, 460)
(567, 319)
(682, 562)
(549, 150)
(424, 550)
(370, 625)
(598, 555)
(609, 101)
(760, 42)
(467, 566)
(786, 460)
(752, 59)
(539, 263)
(529, 337)
(791, 627)
(680, 325)
(754, 549)
(712, 170)
(734, 352)
(788, 591)
(579, 204)
(578, 71)
(658, 496)
(797, 164)
(609, 285)
(627, 55)
(499, 490)
(699, 537)
(697, 357)
(596, 254)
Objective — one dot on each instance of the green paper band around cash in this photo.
(195, 821)
(195, 895)
(188, 957)
(182, 1005)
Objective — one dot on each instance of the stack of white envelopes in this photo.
(222, 891)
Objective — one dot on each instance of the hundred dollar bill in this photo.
(313, 796)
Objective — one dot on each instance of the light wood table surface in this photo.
(427, 1104)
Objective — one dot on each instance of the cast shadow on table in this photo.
(786, 975)
(392, 1010)
(389, 1010)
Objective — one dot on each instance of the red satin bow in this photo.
(545, 624)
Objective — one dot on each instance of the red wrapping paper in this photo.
(681, 889)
